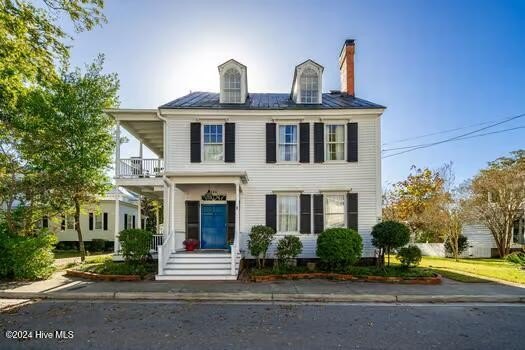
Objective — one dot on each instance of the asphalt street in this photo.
(169, 325)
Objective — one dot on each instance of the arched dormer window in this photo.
(232, 86)
(309, 85)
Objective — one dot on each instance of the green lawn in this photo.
(61, 254)
(492, 268)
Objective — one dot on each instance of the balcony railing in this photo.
(138, 167)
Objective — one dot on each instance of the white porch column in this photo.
(116, 246)
(172, 216)
(139, 211)
(157, 224)
(117, 149)
(237, 216)
(166, 210)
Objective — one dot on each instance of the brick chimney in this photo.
(346, 67)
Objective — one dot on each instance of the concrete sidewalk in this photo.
(62, 287)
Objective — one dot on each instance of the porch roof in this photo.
(144, 124)
(205, 177)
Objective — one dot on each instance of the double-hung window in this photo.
(335, 142)
(232, 86)
(98, 222)
(287, 213)
(334, 210)
(213, 144)
(287, 143)
(309, 82)
(70, 222)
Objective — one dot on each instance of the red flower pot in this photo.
(190, 244)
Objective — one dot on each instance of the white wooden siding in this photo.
(107, 206)
(480, 241)
(362, 177)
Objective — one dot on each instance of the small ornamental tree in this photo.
(455, 247)
(387, 236)
(339, 248)
(135, 244)
(409, 256)
(260, 240)
(288, 248)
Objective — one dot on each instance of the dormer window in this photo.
(309, 83)
(234, 86)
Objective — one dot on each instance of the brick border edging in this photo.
(99, 277)
(437, 279)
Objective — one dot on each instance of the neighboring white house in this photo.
(98, 221)
(299, 162)
(482, 244)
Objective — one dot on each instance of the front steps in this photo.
(199, 266)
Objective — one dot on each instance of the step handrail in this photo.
(164, 251)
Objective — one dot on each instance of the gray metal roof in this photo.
(210, 100)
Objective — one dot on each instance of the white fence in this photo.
(431, 249)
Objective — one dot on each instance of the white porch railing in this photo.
(155, 242)
(164, 250)
(138, 167)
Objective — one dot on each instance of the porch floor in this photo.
(202, 251)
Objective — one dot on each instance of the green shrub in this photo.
(259, 242)
(339, 248)
(517, 258)
(389, 235)
(97, 245)
(462, 245)
(27, 257)
(135, 244)
(288, 248)
(409, 256)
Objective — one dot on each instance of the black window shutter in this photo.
(319, 142)
(271, 211)
(304, 142)
(133, 221)
(229, 142)
(105, 221)
(91, 221)
(45, 222)
(351, 210)
(63, 223)
(192, 219)
(352, 142)
(231, 220)
(318, 213)
(306, 216)
(195, 136)
(125, 221)
(271, 139)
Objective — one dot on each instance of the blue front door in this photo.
(213, 226)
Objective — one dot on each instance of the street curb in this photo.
(267, 297)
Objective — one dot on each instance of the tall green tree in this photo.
(32, 44)
(74, 139)
(497, 197)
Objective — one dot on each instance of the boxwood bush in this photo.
(339, 248)
(135, 244)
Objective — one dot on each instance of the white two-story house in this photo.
(299, 162)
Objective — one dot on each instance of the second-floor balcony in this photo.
(140, 167)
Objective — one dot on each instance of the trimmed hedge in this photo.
(27, 257)
(288, 248)
(339, 248)
(409, 256)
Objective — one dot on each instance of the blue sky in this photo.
(436, 65)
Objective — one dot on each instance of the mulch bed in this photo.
(99, 277)
(346, 277)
